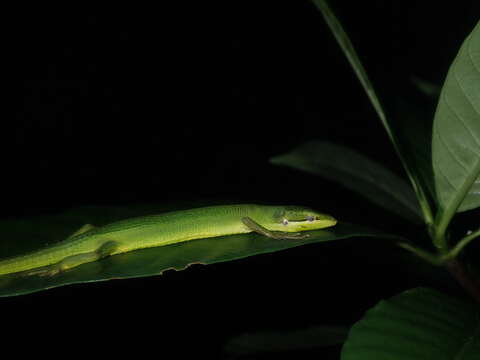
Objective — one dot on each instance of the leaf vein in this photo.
(462, 120)
(442, 173)
(469, 53)
(450, 151)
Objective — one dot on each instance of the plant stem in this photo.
(349, 51)
(471, 285)
(440, 228)
(425, 255)
(462, 243)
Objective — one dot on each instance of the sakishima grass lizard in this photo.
(91, 243)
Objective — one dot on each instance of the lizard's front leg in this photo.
(256, 227)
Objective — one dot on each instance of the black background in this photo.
(187, 101)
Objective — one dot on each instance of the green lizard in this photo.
(91, 243)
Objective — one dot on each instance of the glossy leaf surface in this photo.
(26, 235)
(356, 172)
(417, 324)
(456, 131)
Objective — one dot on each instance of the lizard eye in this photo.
(285, 222)
(309, 218)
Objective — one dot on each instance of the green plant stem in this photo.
(442, 221)
(470, 284)
(462, 243)
(422, 198)
(454, 266)
(425, 255)
(357, 66)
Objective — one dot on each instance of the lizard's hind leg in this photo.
(106, 249)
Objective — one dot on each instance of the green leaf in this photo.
(349, 51)
(356, 172)
(27, 235)
(416, 325)
(287, 340)
(398, 138)
(456, 132)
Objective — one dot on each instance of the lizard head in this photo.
(299, 218)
